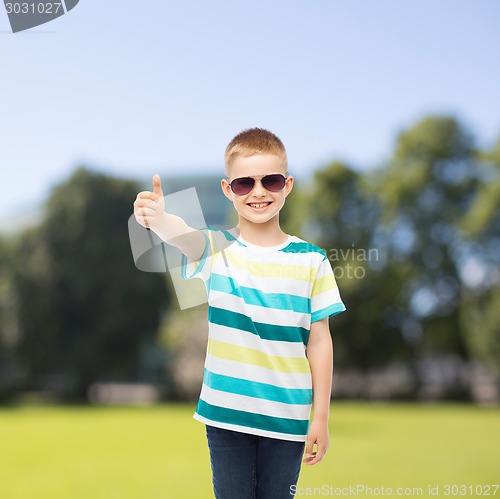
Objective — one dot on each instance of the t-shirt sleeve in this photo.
(325, 297)
(199, 268)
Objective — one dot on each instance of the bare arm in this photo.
(149, 211)
(320, 356)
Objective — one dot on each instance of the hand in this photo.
(149, 207)
(318, 434)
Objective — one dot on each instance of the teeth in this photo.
(258, 205)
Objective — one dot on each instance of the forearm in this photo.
(320, 356)
(175, 231)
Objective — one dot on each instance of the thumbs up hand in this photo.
(157, 185)
(149, 207)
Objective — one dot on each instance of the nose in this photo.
(258, 189)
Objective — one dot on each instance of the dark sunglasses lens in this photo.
(242, 186)
(274, 183)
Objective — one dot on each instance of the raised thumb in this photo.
(157, 185)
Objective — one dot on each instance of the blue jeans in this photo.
(248, 466)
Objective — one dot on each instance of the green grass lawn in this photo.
(160, 452)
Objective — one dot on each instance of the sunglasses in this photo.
(243, 185)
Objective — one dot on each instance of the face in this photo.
(259, 205)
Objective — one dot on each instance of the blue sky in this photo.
(133, 88)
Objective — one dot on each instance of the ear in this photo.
(226, 189)
(289, 185)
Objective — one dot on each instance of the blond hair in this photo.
(254, 141)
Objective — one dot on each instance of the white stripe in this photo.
(254, 405)
(324, 269)
(258, 313)
(330, 297)
(252, 431)
(257, 373)
(250, 340)
(281, 270)
(303, 260)
(313, 257)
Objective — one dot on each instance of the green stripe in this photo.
(228, 235)
(334, 309)
(303, 247)
(201, 262)
(265, 331)
(257, 389)
(252, 296)
(252, 420)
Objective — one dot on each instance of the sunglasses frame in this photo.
(258, 177)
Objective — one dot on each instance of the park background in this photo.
(388, 114)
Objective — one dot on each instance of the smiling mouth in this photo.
(259, 205)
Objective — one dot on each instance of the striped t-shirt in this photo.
(261, 302)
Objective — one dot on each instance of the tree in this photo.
(425, 191)
(342, 217)
(8, 326)
(480, 308)
(403, 226)
(85, 311)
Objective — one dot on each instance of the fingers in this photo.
(149, 206)
(155, 194)
(147, 195)
(309, 451)
(145, 212)
(309, 447)
(311, 459)
(314, 457)
(144, 203)
(144, 219)
(157, 190)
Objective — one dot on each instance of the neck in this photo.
(265, 234)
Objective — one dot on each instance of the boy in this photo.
(269, 352)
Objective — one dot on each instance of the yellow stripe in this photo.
(277, 270)
(213, 248)
(257, 358)
(324, 284)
